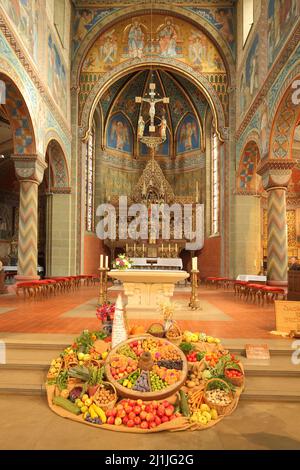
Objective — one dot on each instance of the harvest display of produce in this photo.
(145, 384)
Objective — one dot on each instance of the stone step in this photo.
(269, 389)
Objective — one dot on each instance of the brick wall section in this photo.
(209, 257)
(93, 247)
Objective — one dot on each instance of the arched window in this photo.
(215, 185)
(90, 181)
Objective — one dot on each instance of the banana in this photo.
(93, 412)
(100, 413)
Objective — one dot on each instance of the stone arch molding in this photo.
(135, 64)
(136, 10)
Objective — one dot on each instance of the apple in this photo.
(157, 420)
(128, 409)
(120, 406)
(114, 412)
(160, 411)
(139, 402)
(169, 410)
(165, 403)
(111, 420)
(155, 404)
(118, 421)
(125, 420)
(164, 419)
(121, 414)
(137, 409)
(131, 415)
(137, 420)
(108, 413)
(153, 424)
(130, 423)
(143, 407)
(150, 417)
(132, 402)
(144, 425)
(149, 408)
(143, 415)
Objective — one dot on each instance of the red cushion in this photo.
(279, 290)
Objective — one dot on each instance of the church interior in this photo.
(188, 105)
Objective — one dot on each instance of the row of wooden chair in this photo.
(51, 286)
(258, 292)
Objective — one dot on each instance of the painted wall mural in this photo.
(223, 19)
(25, 16)
(84, 21)
(188, 135)
(171, 38)
(282, 16)
(119, 134)
(57, 78)
(250, 79)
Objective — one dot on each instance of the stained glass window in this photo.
(90, 182)
(215, 186)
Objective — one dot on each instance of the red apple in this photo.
(165, 403)
(144, 425)
(111, 420)
(121, 414)
(131, 415)
(120, 406)
(125, 420)
(130, 423)
(149, 408)
(108, 413)
(160, 411)
(137, 409)
(131, 402)
(150, 417)
(114, 412)
(164, 419)
(169, 410)
(143, 415)
(137, 420)
(155, 404)
(128, 409)
(157, 420)
(139, 402)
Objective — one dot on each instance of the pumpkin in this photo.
(137, 330)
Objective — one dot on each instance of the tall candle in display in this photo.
(106, 261)
(101, 261)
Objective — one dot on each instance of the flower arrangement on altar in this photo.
(122, 262)
(167, 310)
(105, 312)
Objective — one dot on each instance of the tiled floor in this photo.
(222, 314)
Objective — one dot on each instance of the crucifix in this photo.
(152, 102)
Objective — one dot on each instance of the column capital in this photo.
(29, 167)
(275, 173)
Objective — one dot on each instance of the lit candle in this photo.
(162, 248)
(134, 246)
(101, 261)
(176, 247)
(106, 261)
(197, 191)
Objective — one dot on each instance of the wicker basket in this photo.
(236, 381)
(174, 339)
(221, 409)
(111, 404)
(158, 334)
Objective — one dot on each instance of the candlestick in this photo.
(106, 261)
(195, 263)
(169, 248)
(101, 261)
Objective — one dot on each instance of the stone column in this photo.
(30, 171)
(275, 176)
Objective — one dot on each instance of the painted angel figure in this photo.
(141, 127)
(187, 132)
(119, 135)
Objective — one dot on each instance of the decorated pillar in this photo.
(30, 171)
(275, 177)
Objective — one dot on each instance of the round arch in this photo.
(136, 10)
(250, 157)
(19, 116)
(285, 118)
(135, 64)
(58, 165)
